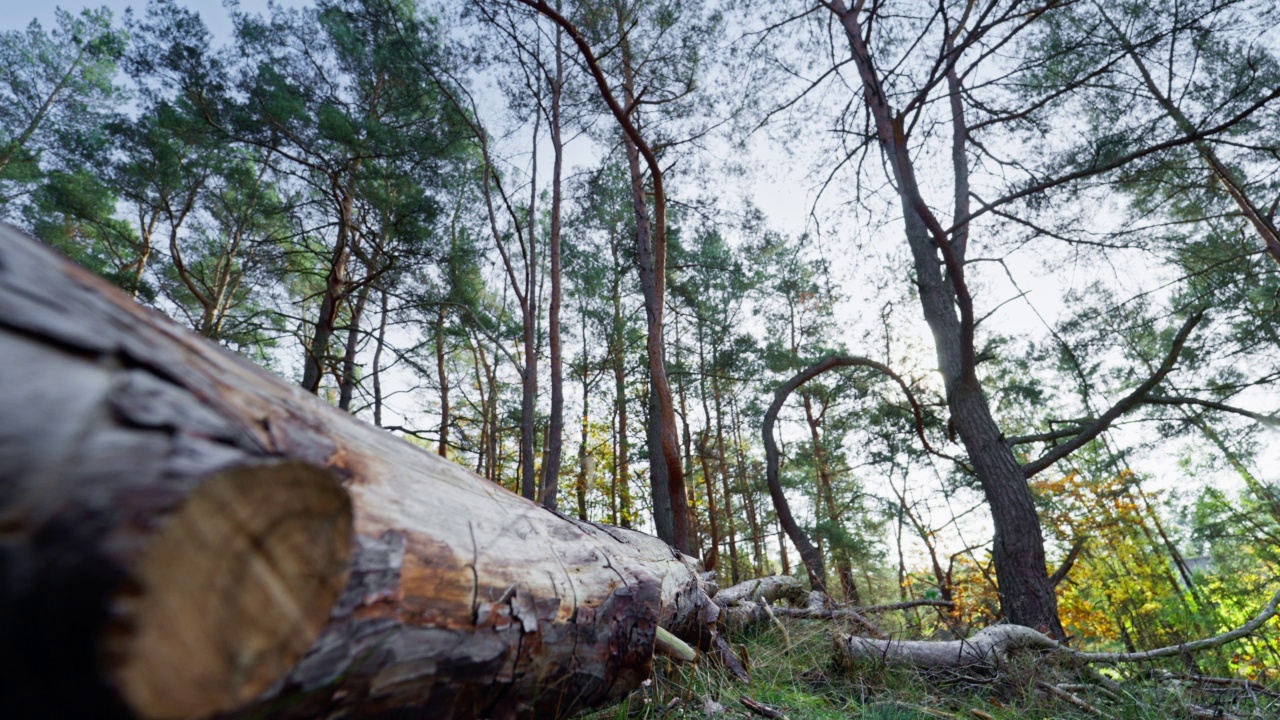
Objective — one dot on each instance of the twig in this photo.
(1211, 714)
(1111, 695)
(918, 708)
(769, 611)
(1244, 683)
(1076, 700)
(762, 709)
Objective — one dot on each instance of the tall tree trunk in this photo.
(1027, 596)
(782, 550)
(529, 387)
(712, 553)
(334, 288)
(666, 472)
(377, 359)
(443, 379)
(724, 479)
(757, 533)
(622, 446)
(584, 472)
(555, 429)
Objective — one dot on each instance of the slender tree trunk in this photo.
(757, 532)
(670, 500)
(529, 397)
(377, 359)
(347, 389)
(555, 429)
(826, 493)
(712, 554)
(724, 479)
(584, 472)
(613, 482)
(782, 549)
(622, 447)
(443, 379)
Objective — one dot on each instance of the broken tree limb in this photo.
(992, 645)
(771, 589)
(831, 613)
(463, 599)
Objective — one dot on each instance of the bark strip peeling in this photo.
(464, 600)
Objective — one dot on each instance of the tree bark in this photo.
(381, 342)
(723, 464)
(463, 600)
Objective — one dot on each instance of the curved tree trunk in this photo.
(464, 600)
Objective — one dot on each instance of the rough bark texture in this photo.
(464, 600)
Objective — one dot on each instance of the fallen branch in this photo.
(992, 645)
(770, 589)
(1071, 698)
(905, 605)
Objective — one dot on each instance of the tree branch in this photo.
(1125, 404)
(1061, 573)
(1271, 421)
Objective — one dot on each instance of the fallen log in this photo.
(459, 599)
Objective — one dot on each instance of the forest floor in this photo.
(793, 674)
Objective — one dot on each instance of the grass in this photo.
(794, 673)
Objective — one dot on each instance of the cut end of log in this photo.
(232, 591)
